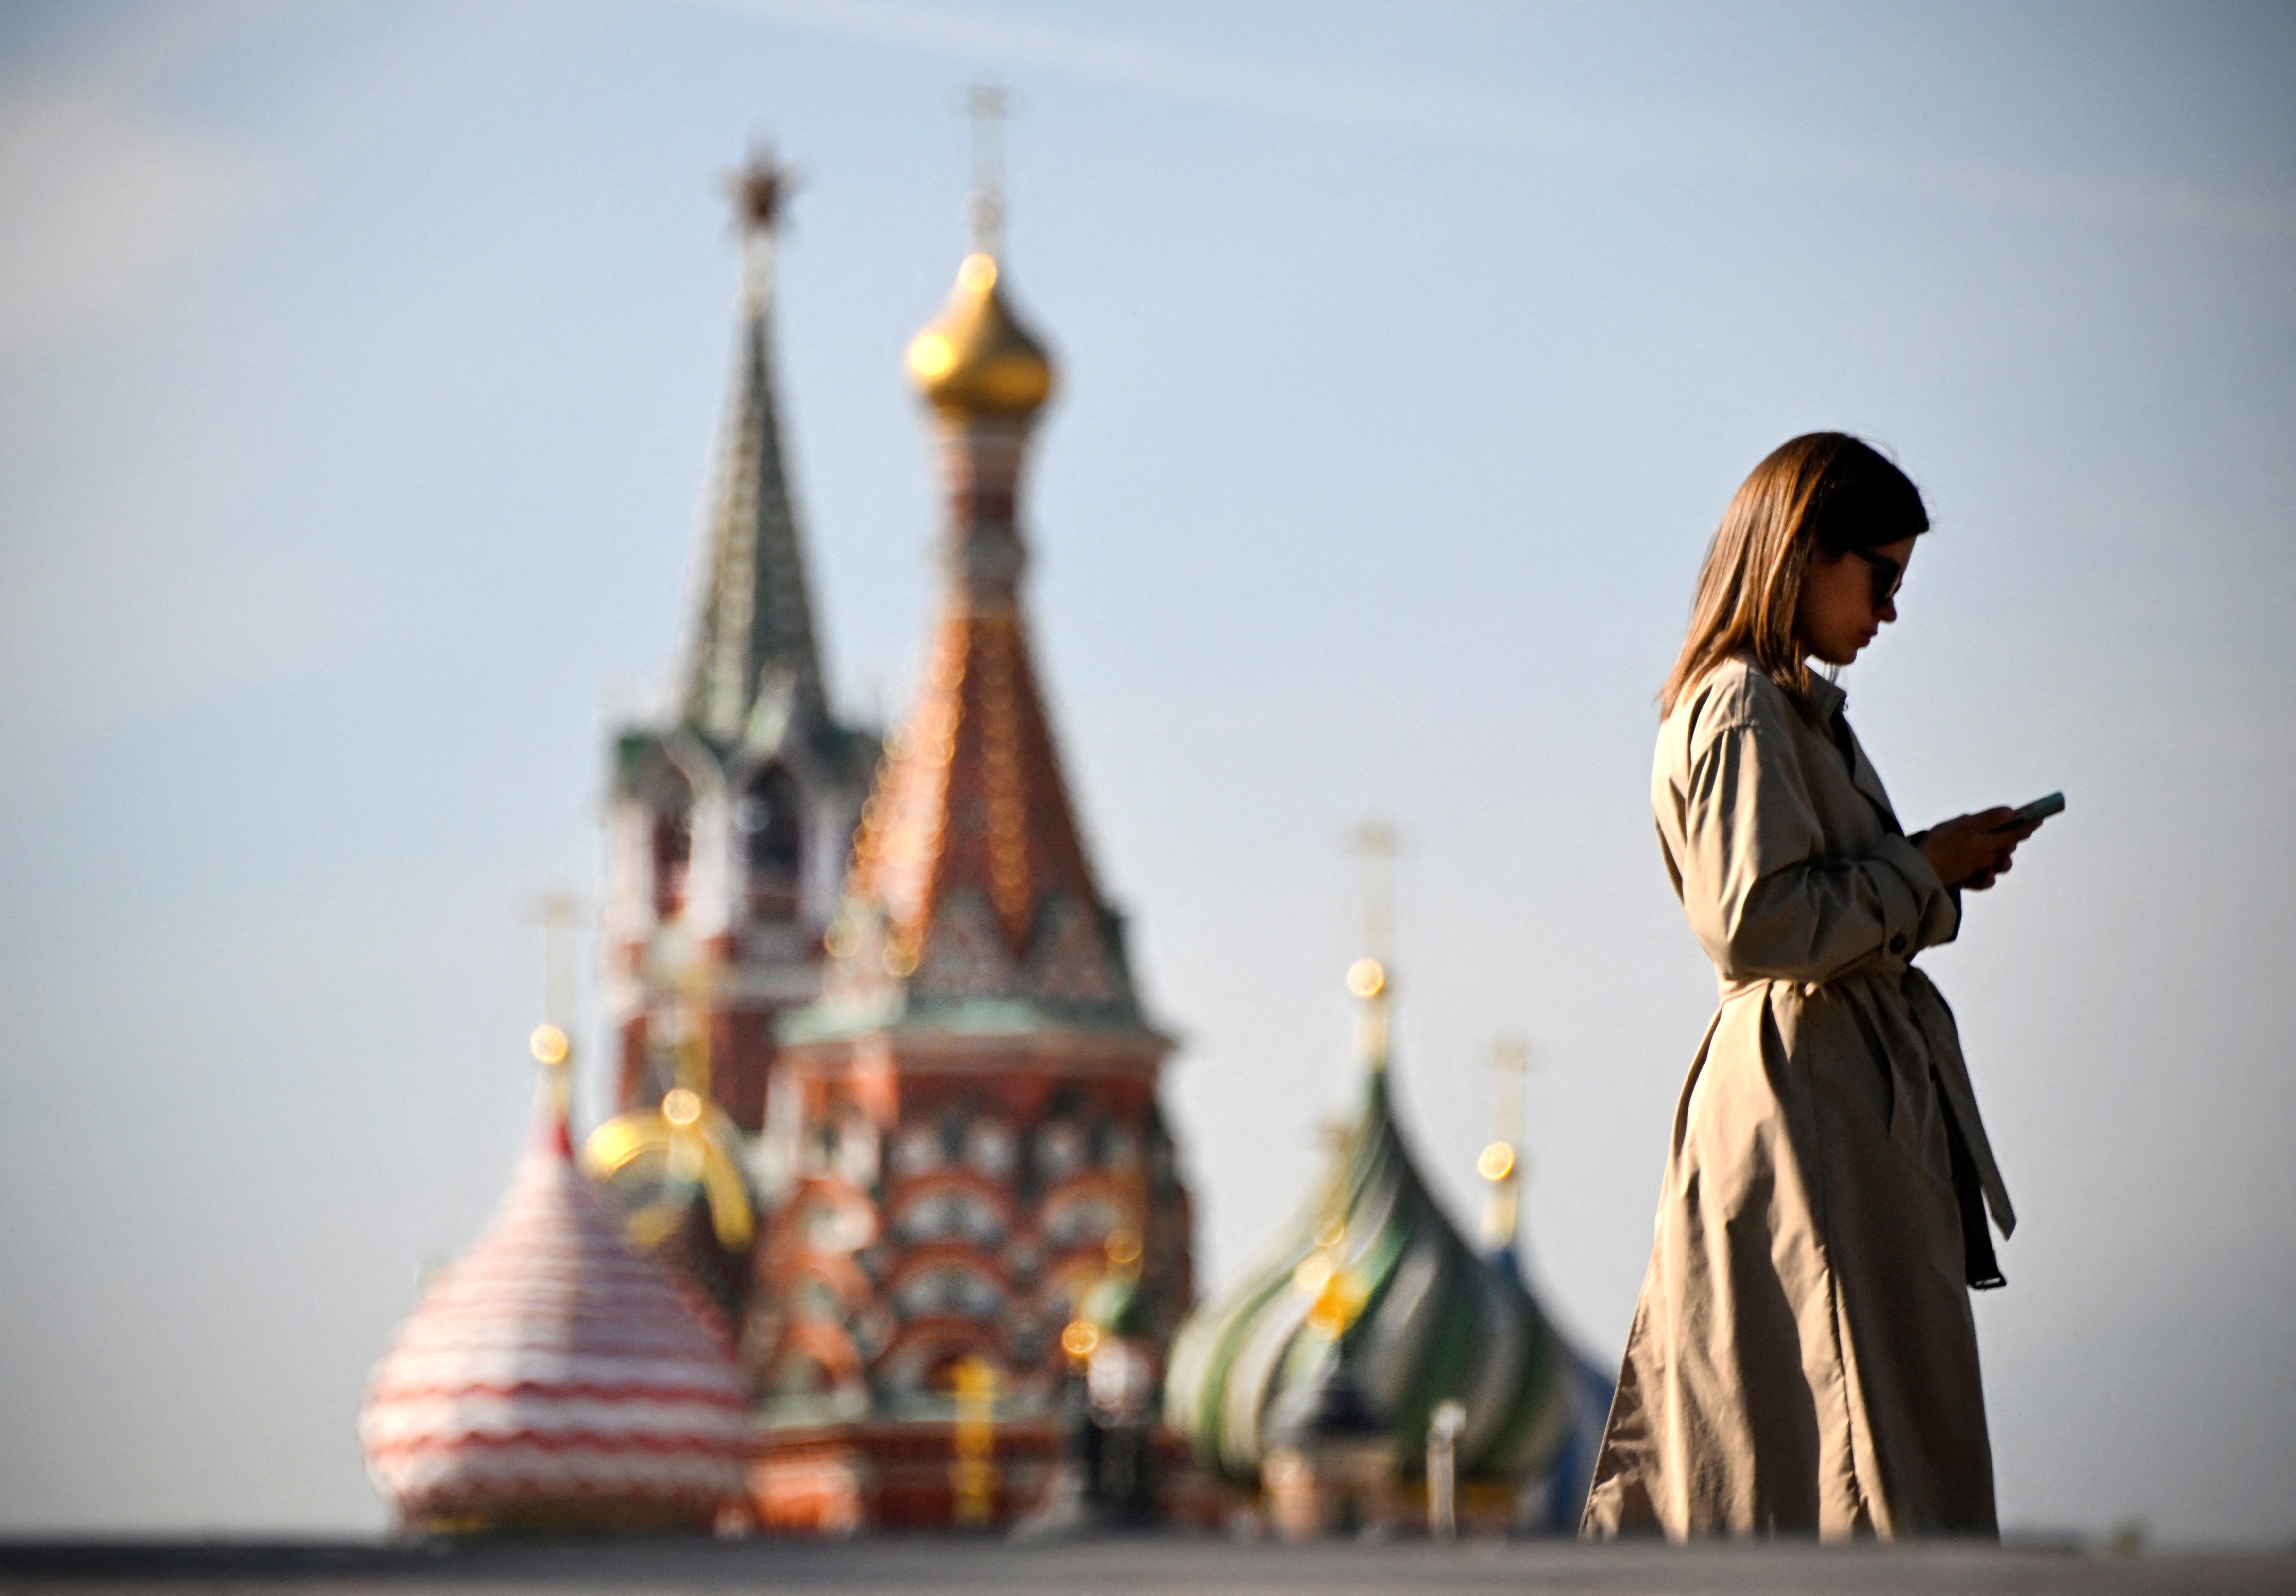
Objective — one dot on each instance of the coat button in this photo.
(1898, 943)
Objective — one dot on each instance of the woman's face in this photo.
(1847, 598)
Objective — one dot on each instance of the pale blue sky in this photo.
(360, 369)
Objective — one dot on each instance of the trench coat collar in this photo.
(1824, 702)
(1826, 698)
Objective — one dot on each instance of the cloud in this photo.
(98, 209)
(1692, 145)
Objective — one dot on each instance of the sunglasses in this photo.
(1888, 575)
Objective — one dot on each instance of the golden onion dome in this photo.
(975, 357)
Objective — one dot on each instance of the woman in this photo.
(1803, 1359)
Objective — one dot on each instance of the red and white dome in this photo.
(552, 1377)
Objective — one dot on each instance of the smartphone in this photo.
(2040, 808)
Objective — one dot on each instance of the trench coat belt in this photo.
(1977, 1182)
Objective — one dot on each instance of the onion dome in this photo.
(1367, 1314)
(975, 358)
(553, 1379)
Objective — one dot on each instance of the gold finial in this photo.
(557, 913)
(976, 358)
(1371, 978)
(1501, 1164)
(686, 1143)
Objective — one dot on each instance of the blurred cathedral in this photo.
(886, 1229)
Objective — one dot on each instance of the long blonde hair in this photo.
(1822, 488)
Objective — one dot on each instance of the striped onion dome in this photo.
(553, 1379)
(1370, 1311)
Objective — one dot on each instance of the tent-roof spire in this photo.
(754, 649)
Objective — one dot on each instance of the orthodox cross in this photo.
(1368, 978)
(1511, 1070)
(988, 104)
(1373, 842)
(557, 913)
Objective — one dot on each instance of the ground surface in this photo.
(1136, 1568)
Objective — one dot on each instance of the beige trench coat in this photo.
(1803, 1358)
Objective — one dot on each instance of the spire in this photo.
(755, 666)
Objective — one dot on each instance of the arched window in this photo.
(917, 1150)
(925, 1361)
(948, 1289)
(1082, 1219)
(773, 840)
(1116, 1147)
(988, 1146)
(1061, 1149)
(671, 800)
(949, 1213)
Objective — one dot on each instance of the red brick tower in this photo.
(963, 1135)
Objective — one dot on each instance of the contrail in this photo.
(1704, 146)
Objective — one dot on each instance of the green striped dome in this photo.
(1371, 1311)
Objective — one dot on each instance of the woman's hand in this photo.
(1968, 853)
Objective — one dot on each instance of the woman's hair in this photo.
(1822, 488)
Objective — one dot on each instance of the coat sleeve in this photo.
(1765, 897)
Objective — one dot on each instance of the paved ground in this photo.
(1132, 1568)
